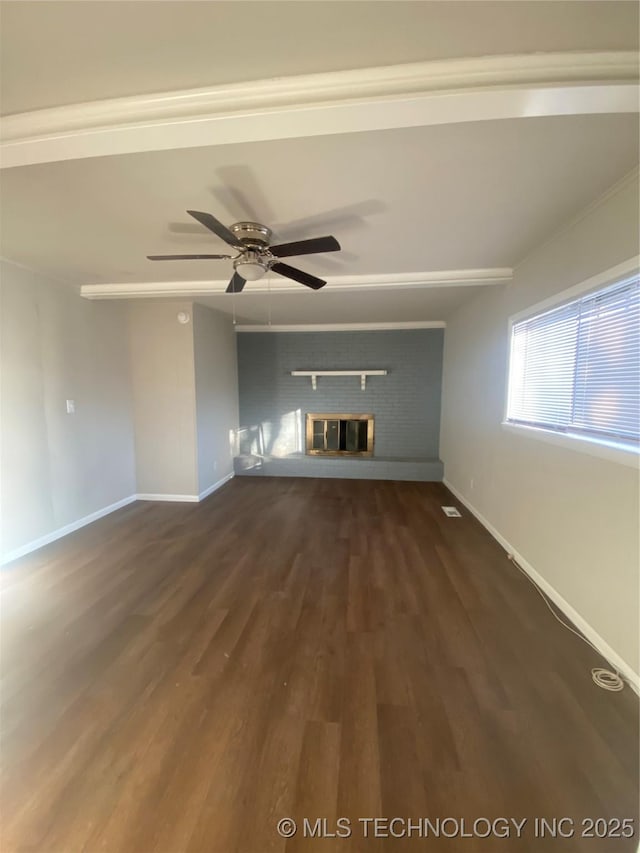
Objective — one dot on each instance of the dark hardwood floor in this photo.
(180, 677)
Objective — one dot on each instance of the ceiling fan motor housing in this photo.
(252, 234)
(252, 263)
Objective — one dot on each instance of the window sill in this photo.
(594, 447)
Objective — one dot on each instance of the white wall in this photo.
(216, 382)
(58, 468)
(572, 516)
(164, 398)
(155, 402)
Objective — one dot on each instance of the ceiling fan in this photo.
(255, 255)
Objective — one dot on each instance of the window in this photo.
(575, 369)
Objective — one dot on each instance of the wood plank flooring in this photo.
(181, 677)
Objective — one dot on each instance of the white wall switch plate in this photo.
(71, 407)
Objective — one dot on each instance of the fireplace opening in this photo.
(339, 434)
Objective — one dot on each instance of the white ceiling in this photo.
(432, 198)
(470, 195)
(54, 53)
(332, 307)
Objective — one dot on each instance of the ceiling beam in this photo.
(276, 284)
(398, 96)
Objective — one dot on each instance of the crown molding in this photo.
(632, 178)
(345, 327)
(407, 95)
(276, 284)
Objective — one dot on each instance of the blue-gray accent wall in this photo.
(405, 403)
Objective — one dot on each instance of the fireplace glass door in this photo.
(340, 434)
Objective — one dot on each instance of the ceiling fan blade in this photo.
(187, 257)
(236, 284)
(306, 247)
(298, 275)
(218, 228)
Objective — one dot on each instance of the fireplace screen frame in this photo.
(337, 416)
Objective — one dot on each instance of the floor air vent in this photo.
(451, 512)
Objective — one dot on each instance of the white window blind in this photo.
(576, 368)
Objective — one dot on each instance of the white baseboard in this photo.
(172, 498)
(23, 550)
(211, 489)
(64, 531)
(186, 498)
(579, 621)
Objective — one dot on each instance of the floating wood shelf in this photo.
(361, 373)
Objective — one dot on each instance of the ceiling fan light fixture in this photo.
(250, 266)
